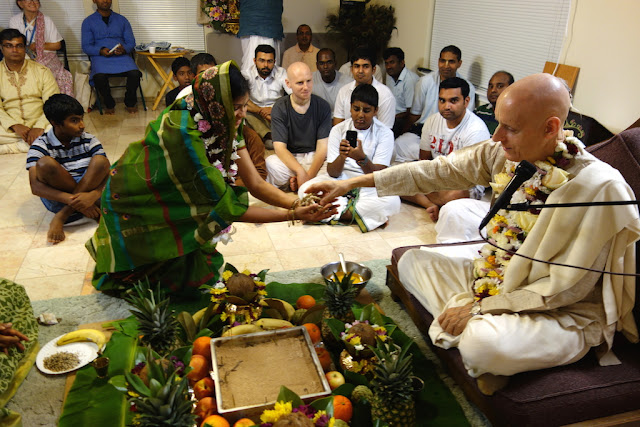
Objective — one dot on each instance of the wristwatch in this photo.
(362, 162)
(475, 308)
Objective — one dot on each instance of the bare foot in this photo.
(132, 110)
(55, 233)
(109, 111)
(489, 383)
(433, 212)
(293, 183)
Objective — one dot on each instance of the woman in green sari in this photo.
(170, 197)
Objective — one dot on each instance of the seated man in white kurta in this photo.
(373, 152)
(508, 314)
(24, 87)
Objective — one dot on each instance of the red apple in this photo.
(335, 378)
(204, 388)
(204, 408)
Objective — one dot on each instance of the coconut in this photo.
(294, 419)
(240, 284)
(366, 333)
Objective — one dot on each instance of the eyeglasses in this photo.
(8, 46)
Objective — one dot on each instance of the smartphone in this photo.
(352, 137)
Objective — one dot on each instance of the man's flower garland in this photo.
(509, 229)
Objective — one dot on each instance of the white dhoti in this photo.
(10, 143)
(249, 45)
(369, 210)
(458, 221)
(503, 344)
(407, 147)
(279, 174)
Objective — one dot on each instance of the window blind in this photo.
(173, 21)
(66, 14)
(518, 36)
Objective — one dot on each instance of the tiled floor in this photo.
(53, 271)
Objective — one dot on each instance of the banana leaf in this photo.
(93, 401)
(290, 292)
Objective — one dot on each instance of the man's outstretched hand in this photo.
(10, 337)
(328, 190)
(453, 320)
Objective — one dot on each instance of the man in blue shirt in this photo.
(107, 38)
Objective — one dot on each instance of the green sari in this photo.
(169, 195)
(15, 308)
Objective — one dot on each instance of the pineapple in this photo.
(392, 389)
(339, 296)
(157, 325)
(165, 403)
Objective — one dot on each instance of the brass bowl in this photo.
(327, 271)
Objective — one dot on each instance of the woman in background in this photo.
(43, 40)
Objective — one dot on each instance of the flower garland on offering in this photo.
(223, 14)
(509, 229)
(238, 307)
(283, 409)
(355, 340)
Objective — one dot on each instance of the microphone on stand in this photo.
(524, 171)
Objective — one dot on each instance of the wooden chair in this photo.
(566, 72)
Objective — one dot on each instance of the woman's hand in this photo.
(10, 337)
(315, 212)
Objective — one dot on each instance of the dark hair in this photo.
(200, 59)
(10, 34)
(454, 83)
(239, 85)
(325, 50)
(364, 52)
(511, 79)
(303, 25)
(179, 63)
(452, 49)
(365, 93)
(393, 51)
(60, 106)
(265, 48)
(17, 4)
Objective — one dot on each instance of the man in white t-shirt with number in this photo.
(454, 127)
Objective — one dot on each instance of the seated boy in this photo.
(182, 73)
(68, 168)
(372, 152)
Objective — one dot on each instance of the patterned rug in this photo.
(39, 399)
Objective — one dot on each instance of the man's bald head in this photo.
(531, 113)
(300, 81)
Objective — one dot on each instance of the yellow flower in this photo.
(332, 422)
(246, 272)
(494, 291)
(272, 415)
(317, 416)
(493, 273)
(497, 219)
(226, 275)
(555, 178)
(530, 191)
(525, 220)
(500, 181)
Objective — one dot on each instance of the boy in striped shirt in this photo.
(68, 167)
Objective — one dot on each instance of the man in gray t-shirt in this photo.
(300, 126)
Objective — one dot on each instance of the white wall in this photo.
(414, 21)
(604, 41)
(311, 12)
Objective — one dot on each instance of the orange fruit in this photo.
(342, 408)
(306, 302)
(244, 422)
(215, 421)
(325, 358)
(202, 346)
(200, 365)
(314, 332)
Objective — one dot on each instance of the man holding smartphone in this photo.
(357, 146)
(300, 125)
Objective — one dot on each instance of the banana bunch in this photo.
(259, 325)
(278, 308)
(84, 335)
